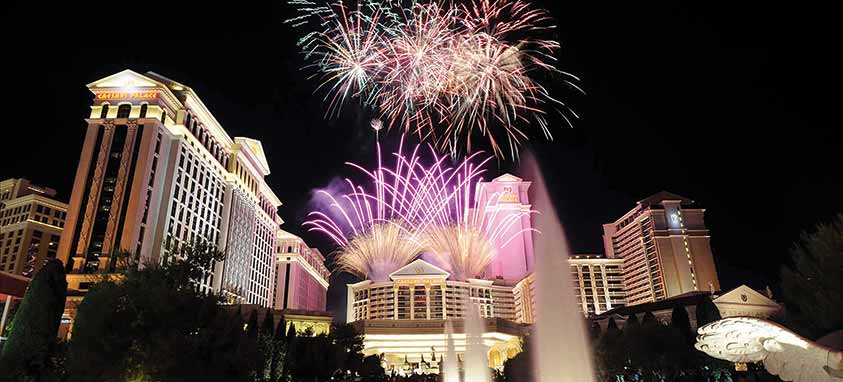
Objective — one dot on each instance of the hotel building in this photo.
(422, 291)
(597, 283)
(301, 277)
(31, 223)
(658, 250)
(665, 249)
(403, 318)
(156, 171)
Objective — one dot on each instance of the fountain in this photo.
(561, 351)
(450, 368)
(476, 363)
(560, 347)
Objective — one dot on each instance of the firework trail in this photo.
(374, 226)
(439, 70)
(466, 227)
(413, 206)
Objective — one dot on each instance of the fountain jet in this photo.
(450, 368)
(476, 361)
(561, 352)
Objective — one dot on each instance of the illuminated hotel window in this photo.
(143, 110)
(124, 110)
(104, 111)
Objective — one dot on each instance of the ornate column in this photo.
(87, 216)
(444, 302)
(395, 301)
(413, 301)
(427, 298)
(120, 191)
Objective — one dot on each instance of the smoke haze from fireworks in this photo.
(439, 70)
(412, 206)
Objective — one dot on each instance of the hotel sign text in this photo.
(127, 95)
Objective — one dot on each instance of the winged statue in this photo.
(784, 353)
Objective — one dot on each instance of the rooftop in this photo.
(663, 196)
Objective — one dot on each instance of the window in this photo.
(143, 109)
(163, 116)
(124, 110)
(104, 111)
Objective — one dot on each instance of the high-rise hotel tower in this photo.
(301, 277)
(665, 249)
(31, 222)
(158, 170)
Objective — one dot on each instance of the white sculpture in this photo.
(784, 353)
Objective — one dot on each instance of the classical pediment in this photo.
(125, 80)
(508, 178)
(419, 268)
(744, 295)
(256, 148)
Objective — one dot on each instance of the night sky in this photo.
(721, 104)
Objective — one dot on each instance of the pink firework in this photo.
(415, 205)
(374, 226)
(463, 230)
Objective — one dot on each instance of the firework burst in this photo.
(374, 226)
(379, 251)
(466, 226)
(438, 69)
(413, 206)
(463, 252)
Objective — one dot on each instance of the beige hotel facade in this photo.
(31, 223)
(665, 247)
(156, 171)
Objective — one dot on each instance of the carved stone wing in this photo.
(791, 357)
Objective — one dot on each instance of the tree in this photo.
(325, 357)
(155, 323)
(372, 370)
(608, 355)
(27, 351)
(291, 343)
(649, 319)
(265, 348)
(595, 330)
(520, 367)
(813, 282)
(247, 348)
(187, 265)
(706, 312)
(679, 319)
(632, 321)
(350, 346)
(612, 327)
(279, 354)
